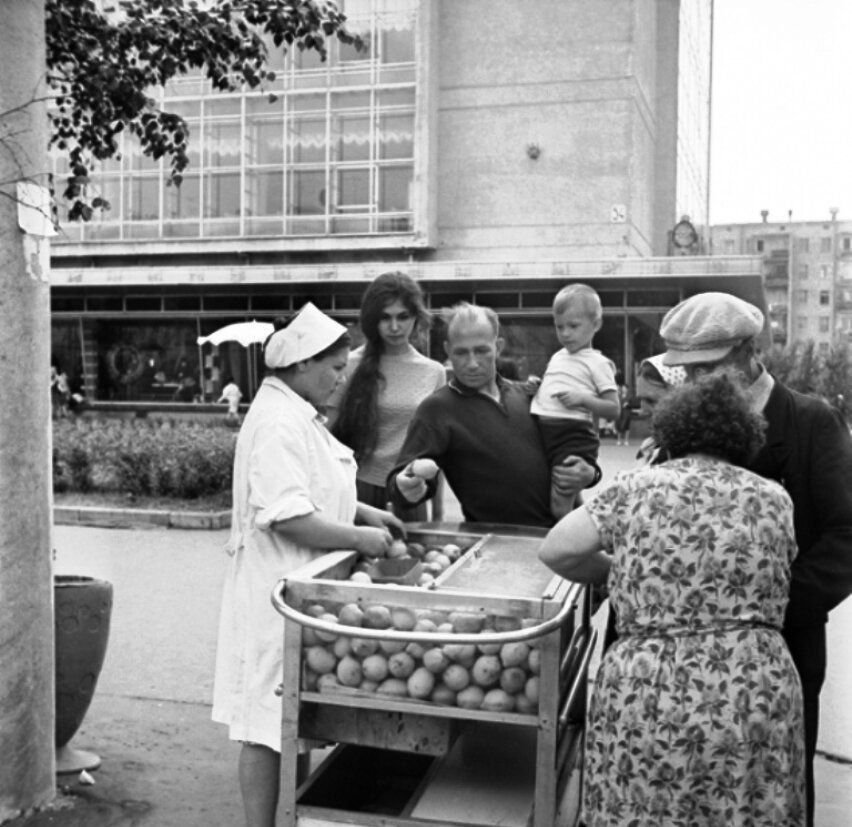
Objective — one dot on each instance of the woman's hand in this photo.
(372, 541)
(379, 518)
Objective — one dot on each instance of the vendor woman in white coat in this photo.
(293, 499)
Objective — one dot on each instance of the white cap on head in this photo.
(674, 376)
(707, 326)
(309, 333)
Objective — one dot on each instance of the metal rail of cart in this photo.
(412, 762)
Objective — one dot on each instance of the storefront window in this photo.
(66, 353)
(145, 361)
(356, 108)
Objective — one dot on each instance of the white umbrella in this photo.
(246, 333)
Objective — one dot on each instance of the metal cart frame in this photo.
(566, 641)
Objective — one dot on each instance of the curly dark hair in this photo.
(709, 416)
(357, 423)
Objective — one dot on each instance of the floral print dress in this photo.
(696, 716)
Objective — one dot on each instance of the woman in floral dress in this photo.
(696, 716)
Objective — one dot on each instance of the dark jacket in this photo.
(809, 451)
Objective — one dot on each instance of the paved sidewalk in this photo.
(164, 763)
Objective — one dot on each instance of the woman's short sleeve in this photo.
(279, 473)
(607, 508)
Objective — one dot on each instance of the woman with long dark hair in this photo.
(387, 379)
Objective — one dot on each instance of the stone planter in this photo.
(82, 611)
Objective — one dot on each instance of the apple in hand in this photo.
(424, 468)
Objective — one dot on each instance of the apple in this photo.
(392, 686)
(375, 668)
(512, 680)
(486, 670)
(470, 698)
(349, 671)
(456, 677)
(452, 551)
(416, 550)
(351, 615)
(498, 701)
(327, 637)
(421, 682)
(377, 616)
(443, 695)
(401, 665)
(320, 660)
(403, 619)
(424, 468)
(398, 548)
(515, 654)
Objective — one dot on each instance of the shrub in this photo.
(170, 458)
(802, 367)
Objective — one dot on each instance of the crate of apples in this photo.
(489, 676)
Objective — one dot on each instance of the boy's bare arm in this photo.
(604, 406)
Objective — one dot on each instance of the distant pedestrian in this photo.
(231, 394)
(622, 421)
(60, 393)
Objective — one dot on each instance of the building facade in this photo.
(494, 150)
(808, 275)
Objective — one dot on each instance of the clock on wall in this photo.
(684, 237)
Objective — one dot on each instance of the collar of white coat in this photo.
(302, 406)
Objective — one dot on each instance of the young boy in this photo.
(577, 388)
(232, 395)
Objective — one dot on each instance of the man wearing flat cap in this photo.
(809, 451)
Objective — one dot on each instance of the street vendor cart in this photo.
(455, 698)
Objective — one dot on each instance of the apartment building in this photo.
(807, 271)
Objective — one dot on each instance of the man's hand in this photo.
(572, 474)
(411, 481)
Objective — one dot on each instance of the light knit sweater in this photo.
(409, 378)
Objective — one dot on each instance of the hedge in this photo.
(168, 458)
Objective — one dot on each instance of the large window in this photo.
(328, 150)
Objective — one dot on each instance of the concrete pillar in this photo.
(665, 113)
(27, 776)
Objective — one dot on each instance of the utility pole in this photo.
(791, 293)
(27, 772)
(833, 211)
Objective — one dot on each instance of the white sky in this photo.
(781, 130)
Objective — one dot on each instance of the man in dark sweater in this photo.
(478, 430)
(809, 451)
